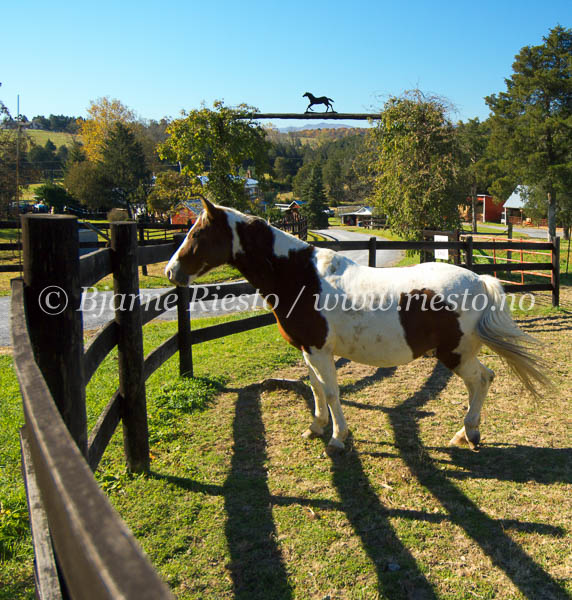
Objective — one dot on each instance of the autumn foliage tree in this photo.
(102, 116)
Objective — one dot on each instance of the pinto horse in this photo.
(321, 100)
(326, 305)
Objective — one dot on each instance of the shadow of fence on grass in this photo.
(256, 566)
(532, 581)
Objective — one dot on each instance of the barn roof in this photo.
(517, 199)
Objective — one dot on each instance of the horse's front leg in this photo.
(321, 415)
(321, 364)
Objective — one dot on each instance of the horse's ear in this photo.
(210, 208)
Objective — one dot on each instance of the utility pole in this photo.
(17, 155)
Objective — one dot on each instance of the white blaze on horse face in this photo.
(174, 271)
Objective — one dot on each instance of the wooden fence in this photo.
(297, 227)
(82, 548)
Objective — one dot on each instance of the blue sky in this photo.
(159, 58)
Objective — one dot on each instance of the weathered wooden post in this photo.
(141, 228)
(456, 251)
(469, 252)
(555, 278)
(130, 345)
(372, 251)
(53, 299)
(184, 322)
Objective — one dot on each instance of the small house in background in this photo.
(513, 207)
(357, 217)
(291, 209)
(186, 213)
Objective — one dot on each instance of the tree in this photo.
(55, 196)
(302, 177)
(103, 114)
(86, 183)
(124, 168)
(416, 165)
(531, 121)
(474, 137)
(171, 188)
(334, 181)
(315, 201)
(218, 142)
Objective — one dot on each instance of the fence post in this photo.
(53, 298)
(509, 237)
(184, 323)
(130, 345)
(555, 279)
(469, 252)
(372, 252)
(141, 228)
(457, 251)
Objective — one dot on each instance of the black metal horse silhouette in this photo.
(321, 100)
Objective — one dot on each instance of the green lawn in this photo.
(238, 505)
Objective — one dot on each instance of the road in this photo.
(535, 232)
(98, 306)
(384, 258)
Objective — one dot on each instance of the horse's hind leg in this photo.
(322, 365)
(477, 378)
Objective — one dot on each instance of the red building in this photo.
(186, 213)
(487, 209)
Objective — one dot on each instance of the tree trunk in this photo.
(474, 207)
(551, 214)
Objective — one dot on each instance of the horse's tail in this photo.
(501, 334)
(330, 99)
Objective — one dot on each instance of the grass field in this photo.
(238, 505)
(40, 137)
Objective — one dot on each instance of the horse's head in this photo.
(207, 245)
(306, 95)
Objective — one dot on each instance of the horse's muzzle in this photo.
(175, 274)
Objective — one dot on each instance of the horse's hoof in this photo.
(459, 439)
(311, 435)
(334, 448)
(473, 438)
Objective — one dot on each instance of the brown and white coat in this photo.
(326, 305)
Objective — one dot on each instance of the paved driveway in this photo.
(384, 258)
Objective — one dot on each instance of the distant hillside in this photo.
(322, 125)
(314, 136)
(59, 138)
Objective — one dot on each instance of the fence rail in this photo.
(73, 524)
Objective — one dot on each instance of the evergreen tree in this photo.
(531, 132)
(124, 168)
(314, 198)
